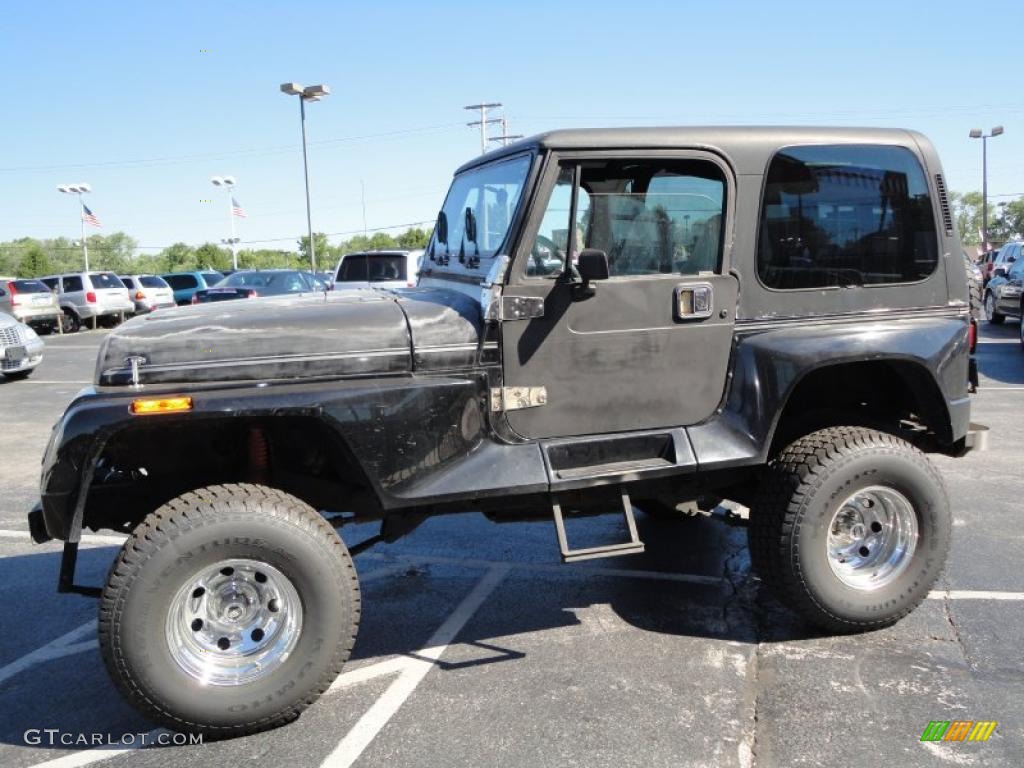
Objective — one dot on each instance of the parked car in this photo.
(95, 296)
(1003, 257)
(184, 284)
(21, 350)
(377, 269)
(253, 283)
(30, 302)
(1004, 293)
(637, 372)
(149, 292)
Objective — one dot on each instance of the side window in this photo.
(128, 282)
(650, 217)
(1017, 268)
(71, 283)
(51, 283)
(845, 215)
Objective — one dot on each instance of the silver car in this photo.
(20, 349)
(149, 292)
(85, 296)
(29, 301)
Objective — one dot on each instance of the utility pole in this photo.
(484, 120)
(505, 137)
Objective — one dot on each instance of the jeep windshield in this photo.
(485, 198)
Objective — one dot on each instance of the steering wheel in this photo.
(538, 258)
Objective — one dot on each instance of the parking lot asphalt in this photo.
(478, 648)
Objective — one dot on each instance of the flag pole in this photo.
(231, 216)
(85, 247)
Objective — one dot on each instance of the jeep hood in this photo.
(287, 338)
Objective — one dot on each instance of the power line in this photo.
(223, 155)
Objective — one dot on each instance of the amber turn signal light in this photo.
(161, 405)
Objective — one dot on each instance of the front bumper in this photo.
(24, 361)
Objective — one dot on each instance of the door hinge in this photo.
(515, 398)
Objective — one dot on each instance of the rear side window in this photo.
(128, 282)
(181, 282)
(105, 280)
(71, 283)
(152, 281)
(846, 215)
(212, 278)
(352, 269)
(50, 282)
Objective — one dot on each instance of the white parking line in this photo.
(25, 382)
(415, 669)
(65, 645)
(986, 388)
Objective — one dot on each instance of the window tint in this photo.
(212, 278)
(846, 215)
(152, 281)
(105, 280)
(50, 282)
(649, 217)
(386, 266)
(128, 282)
(352, 269)
(71, 283)
(28, 286)
(181, 282)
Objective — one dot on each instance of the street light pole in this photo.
(310, 93)
(977, 133)
(228, 182)
(79, 189)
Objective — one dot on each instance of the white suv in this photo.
(377, 269)
(90, 296)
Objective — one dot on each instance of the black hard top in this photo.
(747, 146)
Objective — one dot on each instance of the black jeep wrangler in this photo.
(604, 319)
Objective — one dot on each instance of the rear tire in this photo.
(71, 322)
(229, 611)
(851, 529)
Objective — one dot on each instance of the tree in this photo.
(210, 256)
(34, 262)
(324, 253)
(967, 214)
(414, 237)
(1008, 223)
(179, 258)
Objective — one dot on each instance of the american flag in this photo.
(237, 209)
(89, 217)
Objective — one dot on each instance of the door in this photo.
(1010, 291)
(650, 347)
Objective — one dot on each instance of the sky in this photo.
(146, 101)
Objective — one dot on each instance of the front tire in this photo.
(229, 611)
(852, 528)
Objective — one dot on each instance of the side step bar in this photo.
(633, 546)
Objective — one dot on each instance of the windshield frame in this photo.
(475, 269)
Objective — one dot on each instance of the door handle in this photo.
(693, 301)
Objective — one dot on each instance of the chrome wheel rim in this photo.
(233, 622)
(872, 538)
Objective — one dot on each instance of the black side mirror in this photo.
(592, 265)
(470, 226)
